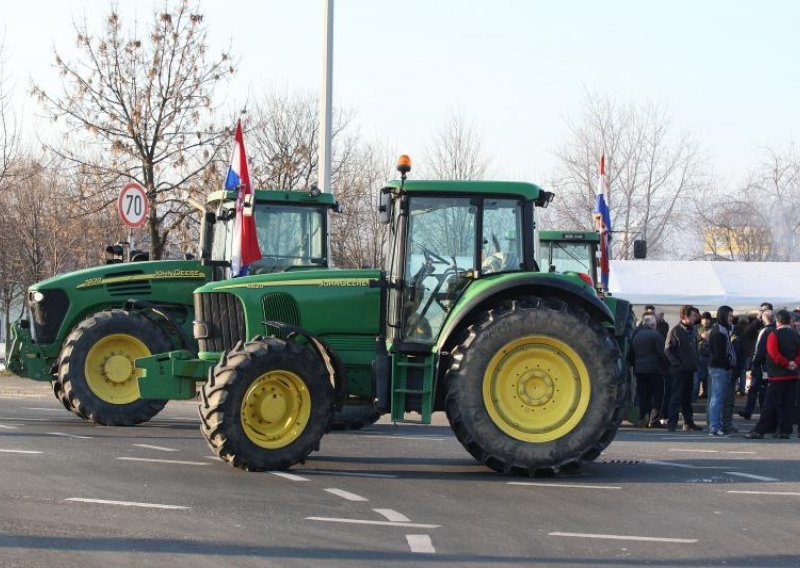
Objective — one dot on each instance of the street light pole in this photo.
(325, 103)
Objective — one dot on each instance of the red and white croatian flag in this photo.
(602, 217)
(244, 248)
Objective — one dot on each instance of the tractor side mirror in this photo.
(385, 207)
(639, 249)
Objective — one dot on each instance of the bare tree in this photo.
(11, 287)
(650, 172)
(733, 229)
(776, 187)
(283, 142)
(358, 239)
(456, 151)
(138, 107)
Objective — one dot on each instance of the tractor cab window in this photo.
(440, 251)
(223, 228)
(569, 257)
(288, 236)
(501, 249)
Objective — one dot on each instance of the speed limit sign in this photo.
(133, 205)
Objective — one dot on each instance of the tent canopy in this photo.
(741, 285)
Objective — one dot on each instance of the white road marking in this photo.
(153, 460)
(20, 452)
(393, 515)
(348, 473)
(127, 504)
(63, 435)
(16, 419)
(786, 493)
(670, 464)
(45, 409)
(752, 476)
(428, 438)
(8, 427)
(565, 485)
(752, 453)
(379, 523)
(692, 450)
(420, 543)
(289, 476)
(346, 494)
(626, 537)
(159, 448)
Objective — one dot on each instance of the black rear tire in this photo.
(72, 365)
(355, 417)
(222, 399)
(484, 437)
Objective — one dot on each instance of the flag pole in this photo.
(325, 103)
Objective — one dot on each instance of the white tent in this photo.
(741, 285)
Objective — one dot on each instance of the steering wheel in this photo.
(430, 256)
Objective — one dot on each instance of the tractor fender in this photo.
(333, 364)
(535, 284)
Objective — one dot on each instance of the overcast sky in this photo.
(728, 70)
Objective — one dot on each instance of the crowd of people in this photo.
(717, 358)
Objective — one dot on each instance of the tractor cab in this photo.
(569, 251)
(447, 235)
(292, 230)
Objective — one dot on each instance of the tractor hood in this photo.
(129, 273)
(330, 277)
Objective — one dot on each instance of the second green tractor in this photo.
(524, 363)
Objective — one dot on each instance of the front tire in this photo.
(267, 405)
(96, 372)
(535, 386)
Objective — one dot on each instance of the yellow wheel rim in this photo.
(109, 369)
(275, 409)
(536, 388)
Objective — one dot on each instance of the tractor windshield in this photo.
(569, 257)
(288, 236)
(440, 251)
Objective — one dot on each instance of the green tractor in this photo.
(523, 362)
(89, 326)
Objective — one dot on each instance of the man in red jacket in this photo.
(783, 358)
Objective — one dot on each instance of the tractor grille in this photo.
(127, 288)
(221, 317)
(281, 307)
(48, 315)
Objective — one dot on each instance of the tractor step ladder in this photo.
(402, 365)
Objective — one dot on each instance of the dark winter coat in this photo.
(681, 349)
(648, 351)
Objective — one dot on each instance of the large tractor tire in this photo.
(535, 387)
(96, 371)
(58, 390)
(267, 405)
(355, 417)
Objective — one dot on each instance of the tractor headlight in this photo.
(36, 297)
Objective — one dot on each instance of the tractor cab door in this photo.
(439, 261)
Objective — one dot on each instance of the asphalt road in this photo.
(77, 494)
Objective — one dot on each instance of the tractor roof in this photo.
(523, 190)
(590, 236)
(291, 197)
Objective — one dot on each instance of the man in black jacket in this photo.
(648, 360)
(757, 370)
(721, 360)
(681, 351)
